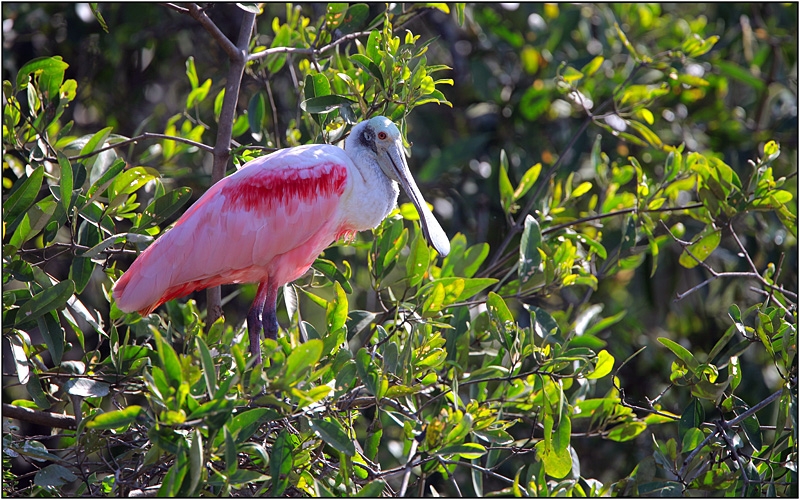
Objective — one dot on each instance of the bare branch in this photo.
(176, 7)
(38, 417)
(232, 50)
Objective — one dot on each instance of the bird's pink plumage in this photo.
(271, 218)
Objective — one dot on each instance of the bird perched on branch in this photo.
(269, 221)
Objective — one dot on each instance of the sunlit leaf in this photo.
(116, 418)
(529, 257)
(700, 250)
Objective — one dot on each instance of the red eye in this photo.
(382, 135)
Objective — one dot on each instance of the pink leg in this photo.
(262, 315)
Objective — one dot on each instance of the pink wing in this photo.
(271, 218)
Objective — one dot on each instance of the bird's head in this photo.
(382, 137)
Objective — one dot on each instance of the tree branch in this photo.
(237, 53)
(135, 140)
(233, 51)
(38, 417)
(295, 50)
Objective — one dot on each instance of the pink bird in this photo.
(269, 221)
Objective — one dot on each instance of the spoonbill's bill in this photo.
(269, 221)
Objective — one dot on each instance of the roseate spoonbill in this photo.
(269, 221)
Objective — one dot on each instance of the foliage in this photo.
(544, 343)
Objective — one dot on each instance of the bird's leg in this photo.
(270, 317)
(255, 322)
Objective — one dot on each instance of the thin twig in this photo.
(314, 52)
(135, 140)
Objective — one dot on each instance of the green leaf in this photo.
(605, 323)
(370, 67)
(34, 388)
(80, 271)
(280, 462)
(325, 104)
(626, 431)
(191, 72)
(354, 19)
(693, 416)
(332, 433)
(499, 313)
(528, 180)
(468, 451)
(647, 134)
(24, 196)
(529, 257)
(605, 363)
(256, 111)
(681, 352)
(115, 419)
(50, 299)
(592, 66)
(95, 142)
(701, 248)
(691, 439)
(460, 17)
(624, 39)
(97, 15)
(418, 259)
(105, 180)
(65, 182)
(557, 463)
(198, 95)
(231, 455)
(372, 489)
(195, 464)
(434, 301)
(506, 191)
(209, 370)
(282, 39)
(302, 357)
(735, 372)
(697, 50)
(733, 70)
(332, 273)
(245, 424)
(87, 388)
(53, 476)
(23, 369)
(130, 181)
(115, 239)
(336, 313)
(39, 66)
(571, 74)
(752, 430)
(169, 360)
(164, 206)
(53, 335)
(316, 85)
(335, 15)
(218, 101)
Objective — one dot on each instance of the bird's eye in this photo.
(382, 135)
